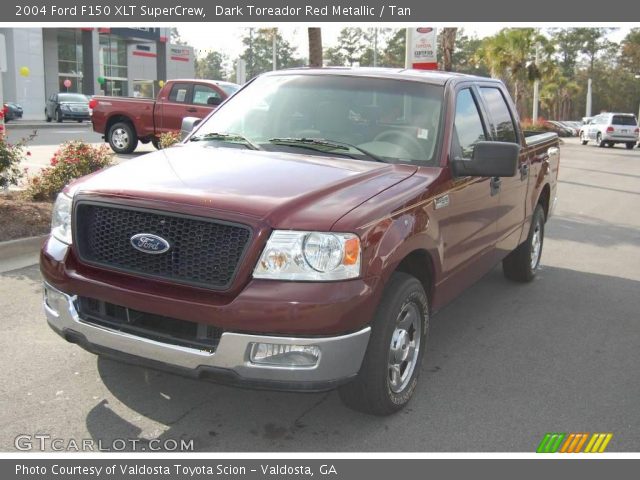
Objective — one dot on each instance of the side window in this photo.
(179, 93)
(467, 124)
(499, 111)
(202, 94)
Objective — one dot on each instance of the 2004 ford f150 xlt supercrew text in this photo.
(303, 234)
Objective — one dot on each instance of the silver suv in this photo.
(611, 128)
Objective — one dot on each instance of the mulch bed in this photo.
(20, 217)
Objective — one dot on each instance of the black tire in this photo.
(79, 121)
(520, 264)
(58, 116)
(372, 391)
(47, 117)
(599, 141)
(122, 138)
(584, 140)
(629, 145)
(156, 143)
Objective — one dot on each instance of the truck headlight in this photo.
(309, 256)
(61, 218)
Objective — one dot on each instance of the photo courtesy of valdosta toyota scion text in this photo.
(291, 228)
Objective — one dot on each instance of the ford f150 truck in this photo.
(302, 236)
(124, 121)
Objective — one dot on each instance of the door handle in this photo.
(192, 110)
(524, 171)
(495, 185)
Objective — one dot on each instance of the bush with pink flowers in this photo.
(72, 160)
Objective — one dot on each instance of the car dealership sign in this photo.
(422, 51)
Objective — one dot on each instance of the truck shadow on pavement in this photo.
(504, 363)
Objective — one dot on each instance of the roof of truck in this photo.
(436, 77)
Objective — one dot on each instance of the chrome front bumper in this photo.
(339, 360)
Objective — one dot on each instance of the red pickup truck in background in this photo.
(124, 121)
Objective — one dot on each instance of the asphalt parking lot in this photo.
(505, 364)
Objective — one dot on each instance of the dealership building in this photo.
(93, 61)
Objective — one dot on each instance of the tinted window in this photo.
(467, 124)
(624, 120)
(503, 123)
(179, 93)
(202, 94)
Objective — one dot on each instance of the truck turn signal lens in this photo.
(351, 251)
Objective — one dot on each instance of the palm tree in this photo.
(508, 55)
(448, 46)
(315, 47)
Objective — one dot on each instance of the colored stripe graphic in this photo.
(598, 443)
(573, 442)
(550, 443)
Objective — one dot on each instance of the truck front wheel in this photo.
(122, 138)
(390, 369)
(522, 264)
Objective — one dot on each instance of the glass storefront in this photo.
(113, 65)
(69, 60)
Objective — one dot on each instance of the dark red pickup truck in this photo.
(302, 236)
(124, 121)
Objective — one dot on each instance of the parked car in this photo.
(571, 127)
(67, 106)
(12, 111)
(125, 121)
(559, 128)
(305, 245)
(607, 129)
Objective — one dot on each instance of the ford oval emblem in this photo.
(424, 30)
(149, 243)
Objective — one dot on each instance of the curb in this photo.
(12, 249)
(40, 125)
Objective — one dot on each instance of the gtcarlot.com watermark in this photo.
(42, 442)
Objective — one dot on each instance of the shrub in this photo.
(72, 160)
(10, 157)
(169, 138)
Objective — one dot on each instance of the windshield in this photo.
(72, 97)
(363, 118)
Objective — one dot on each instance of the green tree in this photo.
(394, 52)
(258, 53)
(212, 66)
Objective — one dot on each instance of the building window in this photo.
(69, 60)
(113, 65)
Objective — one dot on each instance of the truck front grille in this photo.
(147, 325)
(202, 252)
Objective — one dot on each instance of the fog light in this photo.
(285, 355)
(55, 300)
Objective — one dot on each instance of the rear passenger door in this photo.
(172, 109)
(512, 192)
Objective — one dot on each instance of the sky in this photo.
(226, 37)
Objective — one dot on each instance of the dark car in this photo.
(12, 111)
(67, 106)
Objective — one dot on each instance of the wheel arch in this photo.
(112, 120)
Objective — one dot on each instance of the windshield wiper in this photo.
(226, 137)
(324, 145)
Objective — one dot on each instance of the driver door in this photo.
(468, 210)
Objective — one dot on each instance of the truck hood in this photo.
(286, 190)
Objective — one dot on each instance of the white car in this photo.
(607, 129)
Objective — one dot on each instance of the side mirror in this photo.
(214, 101)
(490, 159)
(188, 124)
